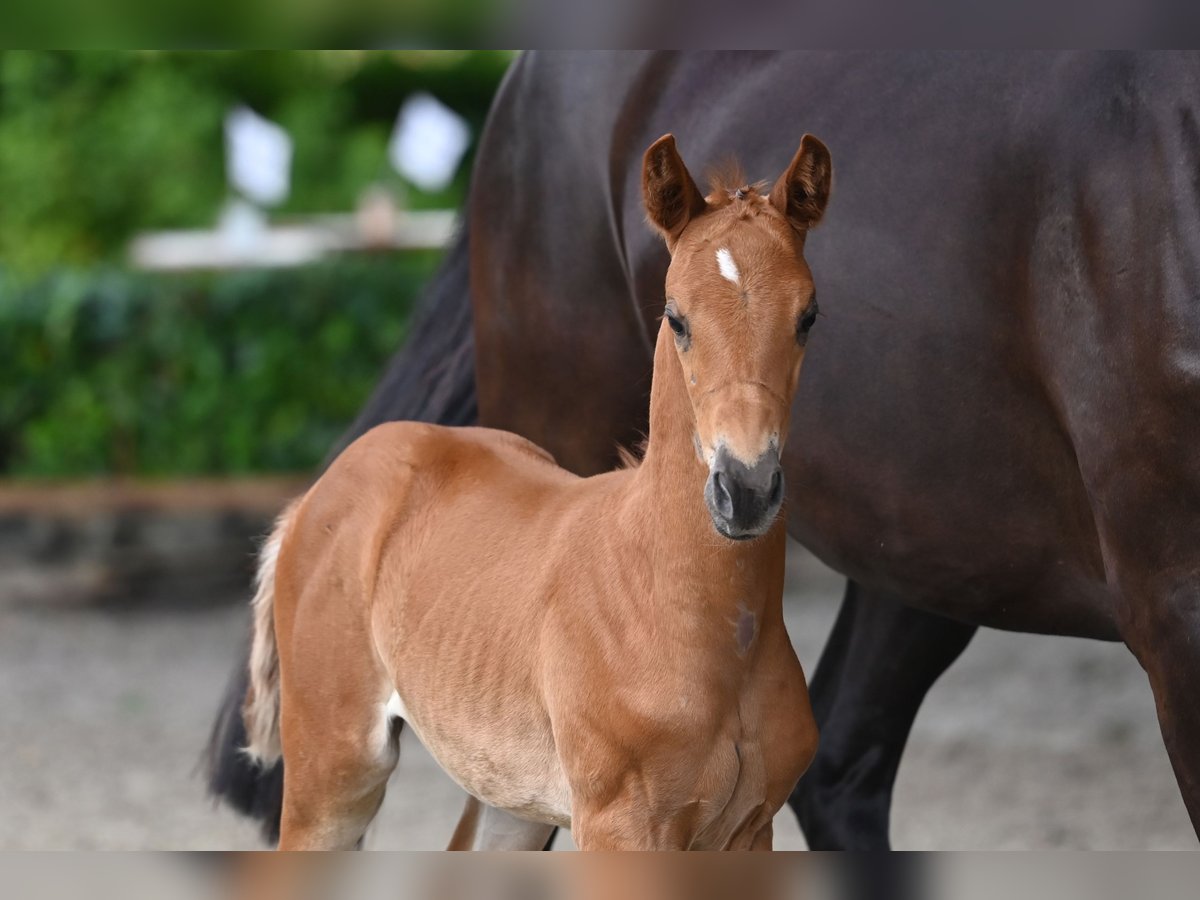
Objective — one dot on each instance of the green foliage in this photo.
(103, 371)
(96, 145)
(226, 23)
(107, 372)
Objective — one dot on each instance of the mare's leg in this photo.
(1162, 628)
(339, 752)
(484, 827)
(880, 661)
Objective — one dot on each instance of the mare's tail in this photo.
(430, 379)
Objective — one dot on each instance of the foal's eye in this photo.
(806, 322)
(676, 324)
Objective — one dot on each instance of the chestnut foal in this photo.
(606, 654)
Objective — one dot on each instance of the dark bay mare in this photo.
(999, 420)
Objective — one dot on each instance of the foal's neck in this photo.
(668, 501)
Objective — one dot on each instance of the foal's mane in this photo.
(631, 457)
(727, 185)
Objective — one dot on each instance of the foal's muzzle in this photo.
(744, 500)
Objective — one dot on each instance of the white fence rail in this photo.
(297, 244)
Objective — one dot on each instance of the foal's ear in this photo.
(803, 190)
(671, 196)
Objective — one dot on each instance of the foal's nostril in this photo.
(775, 496)
(721, 496)
(744, 499)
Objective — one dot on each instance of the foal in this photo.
(606, 654)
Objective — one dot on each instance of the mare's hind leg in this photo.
(484, 827)
(880, 661)
(339, 751)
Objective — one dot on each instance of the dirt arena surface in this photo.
(1028, 742)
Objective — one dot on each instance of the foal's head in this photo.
(740, 303)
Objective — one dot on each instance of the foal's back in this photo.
(408, 498)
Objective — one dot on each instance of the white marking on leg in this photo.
(395, 707)
(387, 731)
(729, 269)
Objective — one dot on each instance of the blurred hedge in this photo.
(109, 372)
(103, 371)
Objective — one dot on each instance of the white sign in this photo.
(428, 142)
(258, 156)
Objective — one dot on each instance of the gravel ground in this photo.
(1028, 742)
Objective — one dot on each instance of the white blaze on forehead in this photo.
(729, 269)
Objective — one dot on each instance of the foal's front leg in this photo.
(603, 833)
(765, 839)
(626, 801)
(628, 823)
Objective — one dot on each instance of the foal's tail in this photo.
(260, 709)
(430, 379)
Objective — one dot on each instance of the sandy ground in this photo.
(1028, 742)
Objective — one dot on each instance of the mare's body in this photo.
(1001, 407)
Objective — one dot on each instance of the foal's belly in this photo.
(508, 761)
